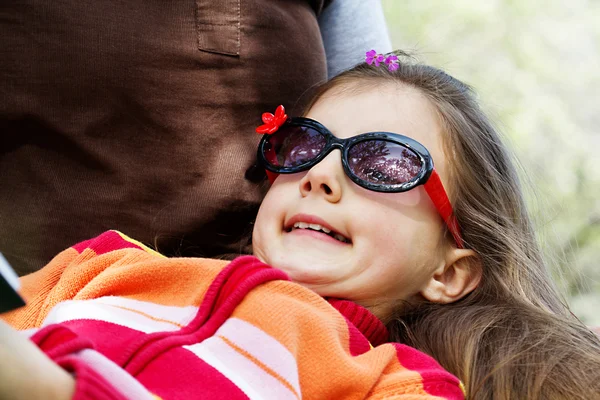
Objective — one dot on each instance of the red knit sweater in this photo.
(132, 324)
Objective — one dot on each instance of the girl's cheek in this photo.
(411, 198)
(408, 200)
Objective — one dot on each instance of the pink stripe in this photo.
(180, 374)
(436, 380)
(104, 243)
(358, 343)
(109, 339)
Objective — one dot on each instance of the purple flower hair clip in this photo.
(371, 57)
(392, 62)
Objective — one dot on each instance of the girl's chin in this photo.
(326, 282)
(307, 273)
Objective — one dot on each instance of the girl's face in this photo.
(393, 241)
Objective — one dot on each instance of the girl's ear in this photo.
(458, 277)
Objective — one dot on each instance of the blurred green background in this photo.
(536, 67)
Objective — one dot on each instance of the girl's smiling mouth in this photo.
(316, 227)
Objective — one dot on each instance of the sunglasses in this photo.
(377, 161)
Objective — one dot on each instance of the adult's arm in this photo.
(349, 29)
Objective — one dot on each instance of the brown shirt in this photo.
(140, 116)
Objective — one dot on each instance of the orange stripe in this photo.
(146, 315)
(261, 365)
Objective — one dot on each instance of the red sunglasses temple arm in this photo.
(272, 158)
(271, 176)
(439, 197)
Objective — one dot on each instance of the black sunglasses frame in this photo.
(344, 145)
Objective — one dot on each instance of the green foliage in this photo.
(536, 67)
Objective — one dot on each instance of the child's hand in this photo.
(26, 373)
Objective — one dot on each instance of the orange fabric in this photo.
(127, 273)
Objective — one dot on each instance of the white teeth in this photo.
(317, 227)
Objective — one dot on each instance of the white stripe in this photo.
(263, 347)
(245, 374)
(180, 315)
(107, 309)
(127, 385)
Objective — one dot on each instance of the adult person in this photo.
(139, 116)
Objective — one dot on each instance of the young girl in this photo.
(382, 245)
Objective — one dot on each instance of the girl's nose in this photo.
(325, 178)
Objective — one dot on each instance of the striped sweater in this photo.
(132, 324)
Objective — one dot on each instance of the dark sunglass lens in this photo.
(292, 146)
(382, 162)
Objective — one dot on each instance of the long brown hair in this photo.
(513, 337)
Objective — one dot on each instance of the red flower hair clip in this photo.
(272, 122)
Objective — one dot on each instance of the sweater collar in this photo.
(367, 323)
